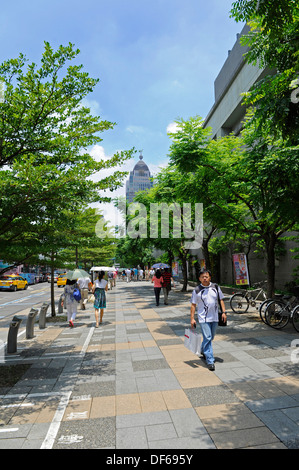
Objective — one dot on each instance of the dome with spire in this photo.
(141, 168)
(139, 179)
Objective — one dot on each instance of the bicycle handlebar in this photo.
(259, 283)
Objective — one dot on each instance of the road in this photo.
(20, 302)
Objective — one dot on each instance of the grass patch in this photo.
(10, 375)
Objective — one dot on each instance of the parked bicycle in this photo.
(264, 304)
(240, 301)
(279, 312)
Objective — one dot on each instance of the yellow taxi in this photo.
(61, 280)
(13, 282)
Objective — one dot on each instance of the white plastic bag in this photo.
(192, 341)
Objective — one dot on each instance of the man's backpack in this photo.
(214, 286)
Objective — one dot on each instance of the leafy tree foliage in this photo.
(274, 43)
(46, 169)
(247, 184)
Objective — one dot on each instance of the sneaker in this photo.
(211, 366)
(71, 323)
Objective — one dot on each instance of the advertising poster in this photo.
(175, 268)
(241, 270)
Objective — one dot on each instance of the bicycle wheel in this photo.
(239, 303)
(262, 309)
(295, 318)
(276, 314)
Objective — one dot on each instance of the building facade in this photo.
(139, 179)
(235, 78)
(225, 117)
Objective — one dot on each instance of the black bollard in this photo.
(13, 334)
(30, 323)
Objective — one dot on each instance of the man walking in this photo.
(167, 280)
(128, 274)
(83, 283)
(205, 297)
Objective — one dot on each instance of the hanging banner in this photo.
(175, 268)
(241, 270)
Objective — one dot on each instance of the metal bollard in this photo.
(13, 334)
(42, 316)
(60, 307)
(30, 323)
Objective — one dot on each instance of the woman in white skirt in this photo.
(71, 303)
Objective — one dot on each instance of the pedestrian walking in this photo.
(83, 283)
(151, 274)
(167, 280)
(70, 301)
(157, 280)
(128, 273)
(206, 297)
(99, 290)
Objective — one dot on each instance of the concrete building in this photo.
(226, 116)
(139, 179)
(235, 77)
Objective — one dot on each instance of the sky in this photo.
(156, 60)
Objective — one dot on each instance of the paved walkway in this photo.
(131, 383)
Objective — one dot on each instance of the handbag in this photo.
(220, 321)
(192, 341)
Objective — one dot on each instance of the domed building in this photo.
(139, 179)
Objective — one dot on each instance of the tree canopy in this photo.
(274, 44)
(45, 136)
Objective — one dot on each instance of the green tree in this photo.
(166, 197)
(133, 252)
(42, 113)
(45, 132)
(242, 183)
(83, 246)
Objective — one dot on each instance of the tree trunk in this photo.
(53, 313)
(205, 247)
(206, 253)
(77, 258)
(170, 259)
(270, 241)
(183, 257)
(197, 269)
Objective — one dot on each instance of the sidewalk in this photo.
(131, 383)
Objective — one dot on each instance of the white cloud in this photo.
(172, 128)
(135, 129)
(93, 105)
(98, 153)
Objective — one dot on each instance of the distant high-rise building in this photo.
(139, 179)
